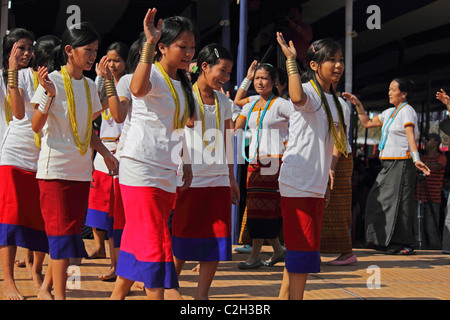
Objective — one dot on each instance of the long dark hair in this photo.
(212, 53)
(122, 50)
(172, 27)
(78, 35)
(44, 52)
(319, 52)
(9, 39)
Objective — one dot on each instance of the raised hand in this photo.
(352, 98)
(45, 81)
(13, 61)
(443, 97)
(103, 68)
(151, 32)
(251, 70)
(288, 50)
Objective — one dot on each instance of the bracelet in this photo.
(415, 156)
(291, 67)
(13, 78)
(148, 51)
(110, 88)
(100, 83)
(45, 104)
(245, 84)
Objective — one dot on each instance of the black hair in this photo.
(405, 85)
(134, 54)
(78, 35)
(9, 39)
(172, 27)
(44, 52)
(272, 73)
(212, 53)
(121, 48)
(319, 52)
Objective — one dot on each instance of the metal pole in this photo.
(3, 24)
(348, 45)
(241, 66)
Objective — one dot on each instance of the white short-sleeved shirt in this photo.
(347, 111)
(3, 94)
(209, 168)
(19, 147)
(123, 90)
(59, 157)
(152, 140)
(307, 159)
(274, 130)
(397, 146)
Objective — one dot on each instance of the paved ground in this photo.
(423, 276)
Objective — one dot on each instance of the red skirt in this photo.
(201, 225)
(64, 205)
(302, 223)
(146, 247)
(21, 222)
(101, 202)
(119, 214)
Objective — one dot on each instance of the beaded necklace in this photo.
(266, 107)
(83, 146)
(177, 123)
(202, 116)
(340, 139)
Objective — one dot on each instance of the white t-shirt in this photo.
(307, 159)
(347, 111)
(209, 168)
(152, 145)
(274, 130)
(397, 146)
(59, 157)
(123, 90)
(3, 94)
(19, 147)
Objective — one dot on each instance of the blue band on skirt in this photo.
(152, 274)
(202, 249)
(66, 247)
(101, 220)
(16, 235)
(302, 261)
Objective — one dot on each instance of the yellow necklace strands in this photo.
(202, 116)
(177, 123)
(83, 146)
(340, 140)
(37, 136)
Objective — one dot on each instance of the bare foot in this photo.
(196, 268)
(139, 285)
(12, 293)
(98, 254)
(172, 294)
(37, 280)
(109, 276)
(20, 263)
(44, 295)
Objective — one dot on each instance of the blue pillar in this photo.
(241, 71)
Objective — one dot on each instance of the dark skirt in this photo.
(263, 212)
(337, 216)
(390, 205)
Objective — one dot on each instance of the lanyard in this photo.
(259, 128)
(386, 126)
